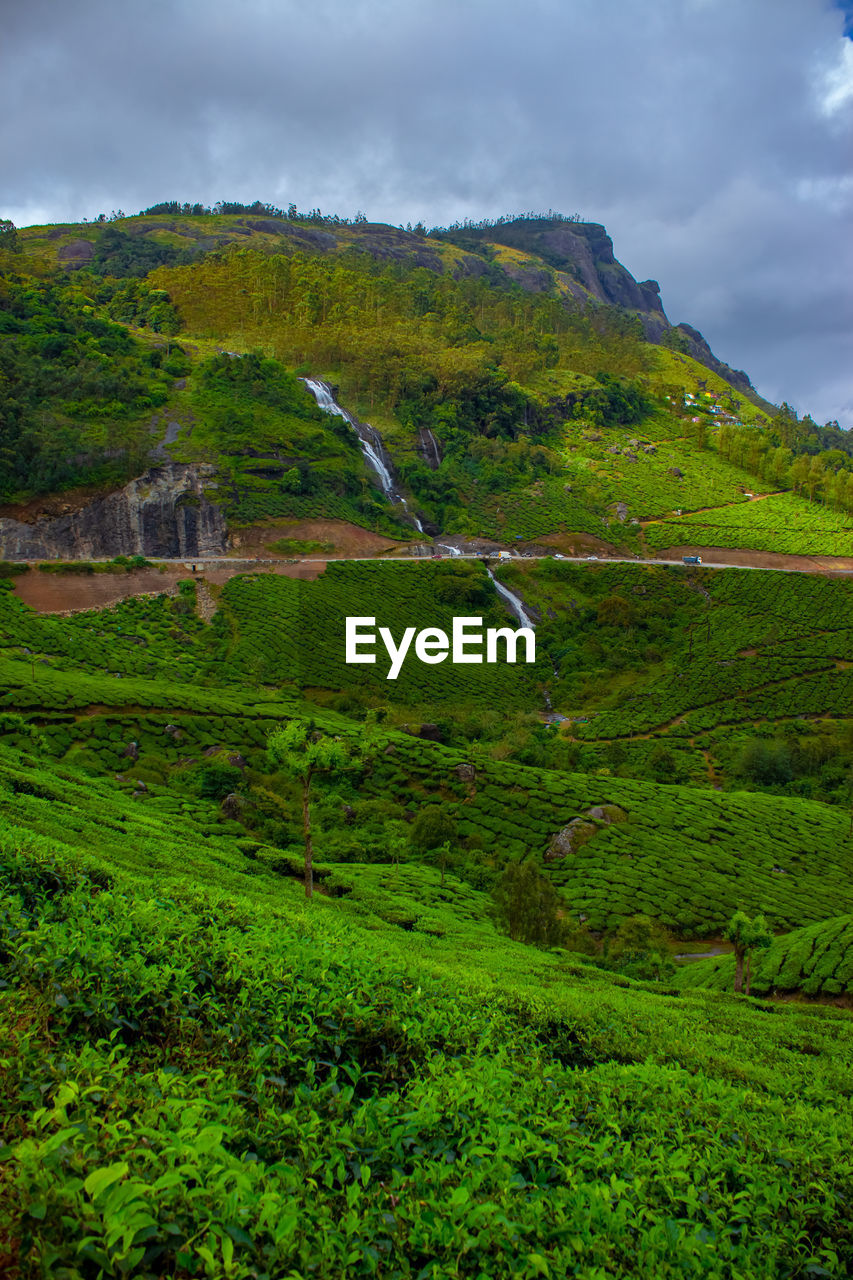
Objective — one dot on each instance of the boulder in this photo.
(572, 837)
(607, 813)
(232, 805)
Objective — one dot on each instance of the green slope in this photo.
(554, 415)
(209, 1080)
(816, 961)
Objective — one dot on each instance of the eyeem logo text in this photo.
(432, 645)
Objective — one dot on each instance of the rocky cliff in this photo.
(698, 348)
(163, 513)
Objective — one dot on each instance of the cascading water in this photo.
(513, 601)
(370, 440)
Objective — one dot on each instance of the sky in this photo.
(713, 138)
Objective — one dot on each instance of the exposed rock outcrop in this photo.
(572, 837)
(79, 253)
(580, 831)
(698, 348)
(429, 448)
(162, 513)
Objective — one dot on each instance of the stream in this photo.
(513, 601)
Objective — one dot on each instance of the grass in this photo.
(203, 1075)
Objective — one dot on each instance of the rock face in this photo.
(79, 253)
(583, 254)
(584, 251)
(698, 348)
(162, 513)
(429, 448)
(580, 831)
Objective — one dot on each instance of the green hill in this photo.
(815, 961)
(471, 1052)
(523, 383)
(205, 1078)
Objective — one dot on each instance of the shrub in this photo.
(527, 906)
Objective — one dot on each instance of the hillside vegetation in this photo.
(308, 972)
(816, 960)
(524, 384)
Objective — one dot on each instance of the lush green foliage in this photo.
(73, 387)
(201, 1073)
(527, 906)
(816, 960)
(197, 1090)
(781, 522)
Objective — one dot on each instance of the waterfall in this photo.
(429, 448)
(513, 601)
(374, 451)
(445, 546)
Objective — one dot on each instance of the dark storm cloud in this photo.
(712, 137)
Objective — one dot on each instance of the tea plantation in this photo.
(204, 1074)
(202, 1077)
(816, 960)
(482, 1047)
(781, 522)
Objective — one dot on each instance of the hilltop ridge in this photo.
(568, 256)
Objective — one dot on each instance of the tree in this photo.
(301, 751)
(640, 947)
(432, 828)
(748, 935)
(9, 236)
(527, 906)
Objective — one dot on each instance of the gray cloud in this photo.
(712, 137)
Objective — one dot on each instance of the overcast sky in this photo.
(713, 138)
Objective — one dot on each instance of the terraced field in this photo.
(782, 522)
(148, 692)
(816, 960)
(740, 647)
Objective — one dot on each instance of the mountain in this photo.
(306, 970)
(501, 367)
